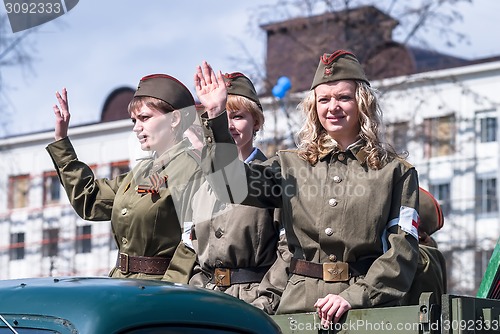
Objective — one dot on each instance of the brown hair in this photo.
(150, 102)
(163, 107)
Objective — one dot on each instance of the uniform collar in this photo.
(355, 148)
(256, 155)
(159, 162)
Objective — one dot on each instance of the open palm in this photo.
(211, 89)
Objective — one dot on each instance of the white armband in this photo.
(186, 235)
(408, 220)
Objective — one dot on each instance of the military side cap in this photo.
(340, 65)
(238, 84)
(165, 88)
(431, 215)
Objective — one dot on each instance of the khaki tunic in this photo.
(237, 236)
(337, 208)
(143, 224)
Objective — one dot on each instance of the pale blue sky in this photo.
(102, 45)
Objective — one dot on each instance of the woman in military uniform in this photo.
(237, 245)
(148, 205)
(349, 205)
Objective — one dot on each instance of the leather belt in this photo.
(141, 264)
(331, 271)
(225, 277)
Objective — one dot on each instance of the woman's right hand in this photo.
(211, 89)
(62, 115)
(330, 308)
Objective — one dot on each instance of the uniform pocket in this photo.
(294, 296)
(296, 279)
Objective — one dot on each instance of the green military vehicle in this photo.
(455, 314)
(101, 305)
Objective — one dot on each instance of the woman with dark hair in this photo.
(149, 205)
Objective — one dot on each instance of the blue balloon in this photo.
(283, 85)
(278, 92)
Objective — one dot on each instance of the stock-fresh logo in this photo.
(28, 14)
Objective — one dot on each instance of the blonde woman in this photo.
(349, 206)
(237, 245)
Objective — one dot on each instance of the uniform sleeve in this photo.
(232, 180)
(390, 276)
(91, 198)
(181, 266)
(187, 195)
(274, 282)
(184, 259)
(198, 278)
(430, 276)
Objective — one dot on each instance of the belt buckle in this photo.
(222, 277)
(336, 272)
(123, 263)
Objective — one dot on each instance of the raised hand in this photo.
(211, 89)
(62, 115)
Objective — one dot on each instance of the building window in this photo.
(19, 186)
(51, 188)
(443, 195)
(16, 246)
(118, 168)
(439, 136)
(488, 130)
(83, 239)
(482, 258)
(397, 135)
(487, 126)
(486, 195)
(50, 242)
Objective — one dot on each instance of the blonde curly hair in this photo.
(314, 142)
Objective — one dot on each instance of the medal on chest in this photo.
(156, 182)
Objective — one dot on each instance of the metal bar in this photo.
(8, 325)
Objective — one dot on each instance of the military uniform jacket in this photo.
(335, 210)
(237, 236)
(143, 224)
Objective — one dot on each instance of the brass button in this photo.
(337, 179)
(332, 258)
(124, 240)
(205, 123)
(209, 139)
(328, 231)
(219, 233)
(341, 157)
(124, 211)
(332, 202)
